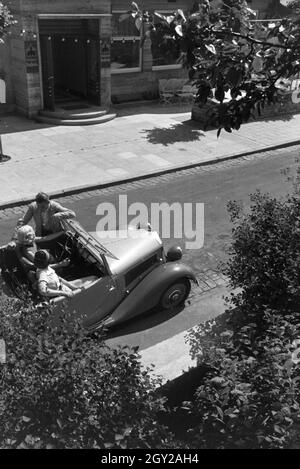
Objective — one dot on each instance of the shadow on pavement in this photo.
(145, 321)
(4, 158)
(13, 123)
(181, 132)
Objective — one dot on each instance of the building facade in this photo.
(64, 50)
(78, 49)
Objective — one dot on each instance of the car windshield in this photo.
(79, 232)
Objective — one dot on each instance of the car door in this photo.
(95, 302)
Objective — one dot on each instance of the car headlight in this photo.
(174, 254)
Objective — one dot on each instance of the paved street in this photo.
(142, 141)
(213, 185)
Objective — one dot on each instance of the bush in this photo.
(265, 252)
(69, 390)
(250, 396)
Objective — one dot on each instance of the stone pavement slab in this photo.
(152, 140)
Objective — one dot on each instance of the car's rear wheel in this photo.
(175, 294)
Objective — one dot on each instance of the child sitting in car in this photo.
(50, 285)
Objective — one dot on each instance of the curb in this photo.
(87, 187)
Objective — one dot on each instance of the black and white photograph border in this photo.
(149, 228)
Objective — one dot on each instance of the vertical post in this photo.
(1, 149)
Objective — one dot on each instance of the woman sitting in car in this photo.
(27, 246)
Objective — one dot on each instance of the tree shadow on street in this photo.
(187, 131)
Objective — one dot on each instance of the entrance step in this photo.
(76, 114)
(72, 115)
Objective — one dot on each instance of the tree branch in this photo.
(262, 43)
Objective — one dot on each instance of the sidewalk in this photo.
(163, 343)
(171, 357)
(153, 139)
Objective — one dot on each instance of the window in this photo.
(165, 52)
(125, 47)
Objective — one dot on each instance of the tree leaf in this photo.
(170, 19)
(59, 423)
(211, 48)
(228, 129)
(138, 23)
(257, 64)
(134, 5)
(25, 419)
(180, 13)
(160, 16)
(233, 77)
(178, 30)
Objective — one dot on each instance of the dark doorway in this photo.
(69, 67)
(70, 54)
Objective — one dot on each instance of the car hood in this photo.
(129, 247)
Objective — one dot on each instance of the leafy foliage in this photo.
(6, 20)
(265, 252)
(228, 56)
(68, 389)
(250, 398)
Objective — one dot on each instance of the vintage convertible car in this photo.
(128, 270)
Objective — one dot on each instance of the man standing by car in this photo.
(46, 214)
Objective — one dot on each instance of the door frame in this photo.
(47, 73)
(58, 16)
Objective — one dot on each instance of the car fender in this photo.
(147, 293)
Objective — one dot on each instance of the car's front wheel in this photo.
(175, 294)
